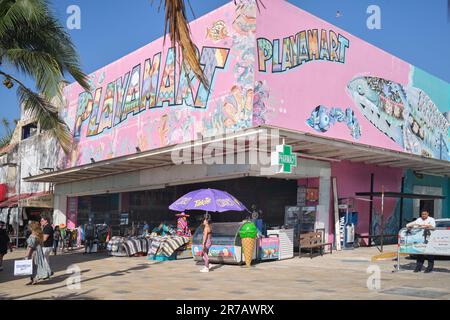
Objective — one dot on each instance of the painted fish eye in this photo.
(360, 89)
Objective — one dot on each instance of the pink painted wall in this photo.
(288, 88)
(129, 106)
(144, 101)
(355, 177)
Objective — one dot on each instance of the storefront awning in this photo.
(40, 200)
(307, 145)
(399, 195)
(321, 148)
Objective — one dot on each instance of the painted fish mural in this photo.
(407, 115)
(321, 120)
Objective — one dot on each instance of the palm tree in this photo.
(176, 24)
(33, 43)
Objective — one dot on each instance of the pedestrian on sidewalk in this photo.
(89, 236)
(41, 268)
(426, 223)
(206, 243)
(4, 243)
(47, 245)
(56, 239)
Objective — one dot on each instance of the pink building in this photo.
(351, 111)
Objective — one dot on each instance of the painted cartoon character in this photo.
(218, 31)
(260, 98)
(163, 130)
(230, 113)
(319, 120)
(246, 17)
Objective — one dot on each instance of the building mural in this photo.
(324, 81)
(302, 73)
(406, 115)
(382, 100)
(148, 100)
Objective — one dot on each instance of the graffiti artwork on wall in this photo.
(405, 114)
(302, 48)
(235, 109)
(218, 31)
(322, 119)
(138, 91)
(261, 107)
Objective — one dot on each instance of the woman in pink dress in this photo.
(206, 243)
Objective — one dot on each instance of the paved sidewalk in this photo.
(342, 275)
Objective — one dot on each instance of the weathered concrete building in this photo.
(30, 152)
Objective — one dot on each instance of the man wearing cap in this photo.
(182, 225)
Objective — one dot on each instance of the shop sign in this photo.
(45, 201)
(284, 158)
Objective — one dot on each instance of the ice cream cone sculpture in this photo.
(248, 235)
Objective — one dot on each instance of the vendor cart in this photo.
(226, 244)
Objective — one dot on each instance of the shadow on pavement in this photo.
(411, 266)
(72, 296)
(216, 266)
(49, 282)
(57, 263)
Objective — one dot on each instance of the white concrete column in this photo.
(59, 209)
(323, 209)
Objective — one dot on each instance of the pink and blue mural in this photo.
(148, 99)
(327, 82)
(300, 73)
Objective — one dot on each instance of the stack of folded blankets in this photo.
(128, 247)
(166, 245)
(150, 245)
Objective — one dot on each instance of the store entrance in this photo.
(268, 196)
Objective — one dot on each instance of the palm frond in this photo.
(14, 13)
(42, 66)
(40, 40)
(46, 114)
(176, 24)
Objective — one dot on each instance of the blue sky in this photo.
(418, 31)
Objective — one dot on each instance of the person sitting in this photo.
(162, 229)
(146, 229)
(182, 225)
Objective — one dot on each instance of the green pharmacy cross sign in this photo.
(285, 158)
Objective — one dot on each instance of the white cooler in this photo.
(286, 238)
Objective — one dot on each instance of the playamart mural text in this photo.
(303, 47)
(143, 88)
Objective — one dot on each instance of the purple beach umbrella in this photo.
(212, 200)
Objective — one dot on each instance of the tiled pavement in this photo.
(342, 275)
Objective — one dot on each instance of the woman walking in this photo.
(206, 243)
(41, 268)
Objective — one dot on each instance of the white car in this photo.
(443, 223)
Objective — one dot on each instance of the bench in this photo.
(311, 241)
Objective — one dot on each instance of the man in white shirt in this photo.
(426, 222)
